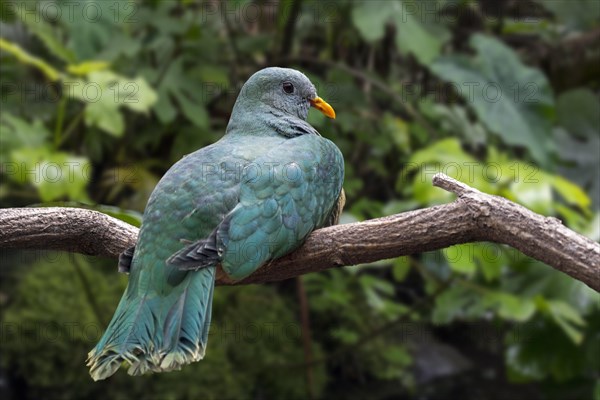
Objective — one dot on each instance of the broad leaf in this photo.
(454, 120)
(16, 132)
(56, 175)
(448, 157)
(579, 139)
(510, 306)
(188, 95)
(92, 25)
(576, 15)
(416, 30)
(565, 316)
(511, 99)
(460, 258)
(105, 92)
(48, 34)
(105, 115)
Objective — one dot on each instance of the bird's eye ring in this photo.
(288, 87)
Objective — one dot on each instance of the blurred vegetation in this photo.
(100, 98)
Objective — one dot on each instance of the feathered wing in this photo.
(300, 192)
(279, 208)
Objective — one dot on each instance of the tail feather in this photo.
(188, 335)
(157, 334)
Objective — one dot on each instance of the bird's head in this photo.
(285, 90)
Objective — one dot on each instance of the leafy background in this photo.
(99, 98)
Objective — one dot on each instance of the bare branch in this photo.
(472, 217)
(69, 229)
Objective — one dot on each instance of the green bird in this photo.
(251, 197)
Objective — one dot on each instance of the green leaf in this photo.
(105, 92)
(573, 219)
(370, 17)
(193, 110)
(460, 258)
(454, 120)
(565, 316)
(398, 130)
(122, 45)
(105, 115)
(469, 300)
(593, 229)
(133, 93)
(345, 336)
(48, 34)
(453, 303)
(537, 196)
(55, 174)
(215, 75)
(579, 139)
(444, 151)
(578, 112)
(18, 133)
(511, 99)
(92, 26)
(186, 92)
(376, 290)
(400, 268)
(398, 355)
(164, 108)
(572, 193)
(576, 15)
(446, 156)
(540, 348)
(582, 154)
(138, 95)
(510, 306)
(416, 31)
(490, 258)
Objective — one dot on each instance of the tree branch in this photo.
(68, 229)
(473, 216)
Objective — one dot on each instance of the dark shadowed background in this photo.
(100, 98)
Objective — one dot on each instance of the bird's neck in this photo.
(266, 121)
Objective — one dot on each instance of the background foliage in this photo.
(99, 98)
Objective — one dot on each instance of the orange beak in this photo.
(322, 106)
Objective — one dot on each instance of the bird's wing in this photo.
(287, 193)
(202, 253)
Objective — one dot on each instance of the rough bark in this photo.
(69, 229)
(472, 217)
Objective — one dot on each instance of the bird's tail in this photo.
(157, 333)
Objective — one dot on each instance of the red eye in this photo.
(288, 87)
